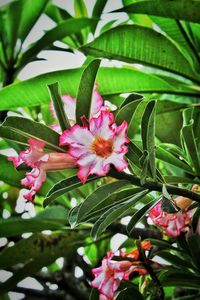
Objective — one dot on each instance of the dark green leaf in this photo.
(59, 106)
(63, 187)
(85, 91)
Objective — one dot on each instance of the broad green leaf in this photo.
(85, 91)
(98, 196)
(148, 134)
(58, 105)
(66, 28)
(115, 213)
(139, 214)
(109, 79)
(19, 130)
(63, 187)
(178, 9)
(52, 218)
(160, 54)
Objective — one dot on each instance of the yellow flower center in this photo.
(101, 147)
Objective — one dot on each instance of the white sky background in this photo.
(58, 60)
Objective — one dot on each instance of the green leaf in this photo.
(181, 279)
(11, 176)
(63, 187)
(128, 108)
(139, 214)
(52, 218)
(66, 28)
(160, 54)
(178, 9)
(98, 196)
(30, 15)
(115, 213)
(85, 91)
(189, 142)
(167, 203)
(54, 90)
(165, 155)
(19, 130)
(109, 79)
(194, 246)
(38, 251)
(97, 11)
(148, 135)
(129, 294)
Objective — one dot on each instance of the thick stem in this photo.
(156, 186)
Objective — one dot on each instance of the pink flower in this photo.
(108, 276)
(172, 223)
(40, 162)
(70, 107)
(97, 145)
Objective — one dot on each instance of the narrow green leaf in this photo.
(148, 134)
(115, 213)
(139, 214)
(167, 203)
(98, 196)
(11, 176)
(63, 187)
(85, 91)
(19, 130)
(189, 142)
(97, 12)
(54, 90)
(194, 246)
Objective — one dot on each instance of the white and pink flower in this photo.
(172, 223)
(97, 145)
(109, 275)
(40, 161)
(70, 107)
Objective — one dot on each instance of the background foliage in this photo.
(155, 88)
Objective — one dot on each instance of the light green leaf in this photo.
(109, 79)
(178, 9)
(140, 45)
(66, 28)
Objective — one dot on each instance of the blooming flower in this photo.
(70, 107)
(173, 223)
(97, 145)
(111, 272)
(40, 162)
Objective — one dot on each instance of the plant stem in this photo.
(155, 186)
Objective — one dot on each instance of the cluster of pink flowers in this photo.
(173, 223)
(109, 275)
(92, 147)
